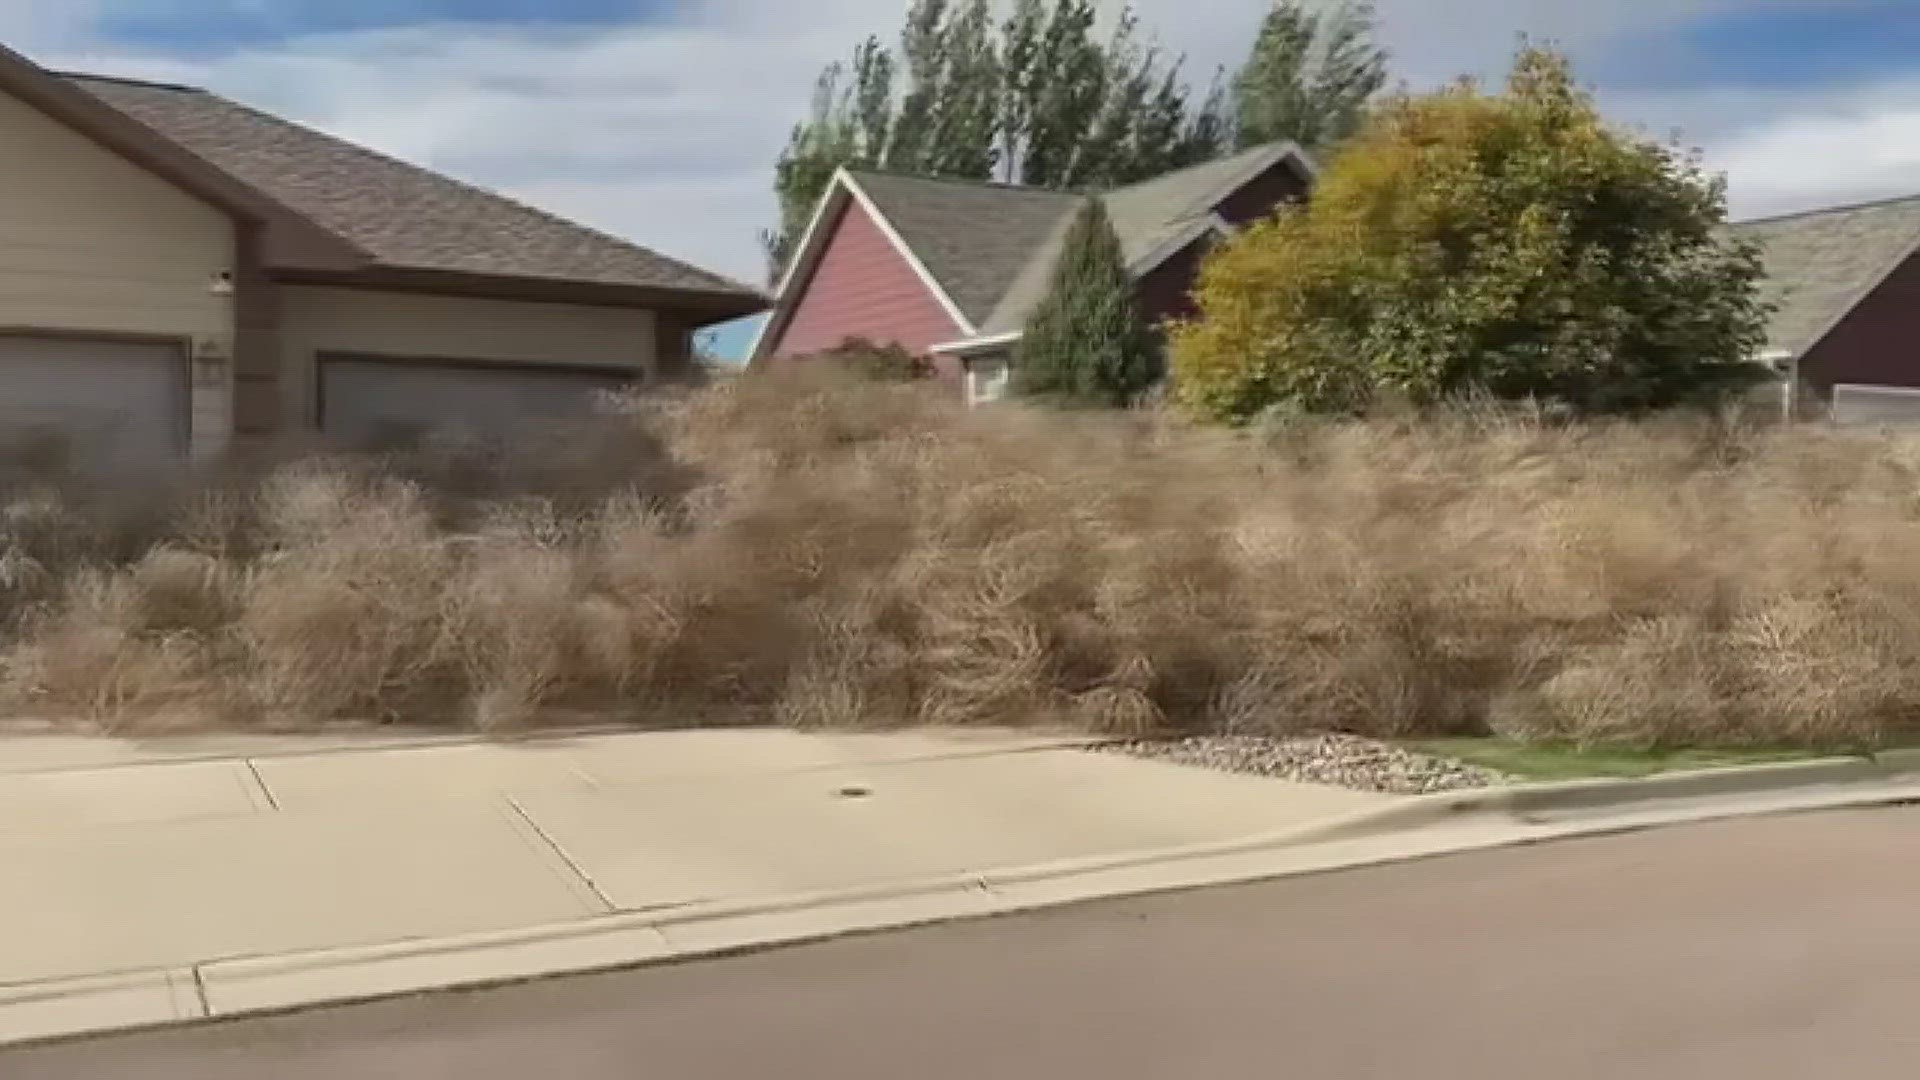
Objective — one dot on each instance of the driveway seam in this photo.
(260, 783)
(553, 846)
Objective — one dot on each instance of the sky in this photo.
(659, 120)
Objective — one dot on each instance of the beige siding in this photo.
(90, 242)
(398, 324)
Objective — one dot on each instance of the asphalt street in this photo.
(1771, 947)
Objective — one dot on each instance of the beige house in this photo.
(178, 271)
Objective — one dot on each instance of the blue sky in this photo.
(659, 119)
(1813, 44)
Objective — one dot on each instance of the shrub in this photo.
(883, 363)
(1085, 343)
(1508, 244)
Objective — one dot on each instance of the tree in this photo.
(1077, 114)
(1086, 344)
(942, 119)
(1509, 244)
(1036, 100)
(851, 124)
(1310, 76)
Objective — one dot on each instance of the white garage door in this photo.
(1875, 406)
(124, 400)
(364, 400)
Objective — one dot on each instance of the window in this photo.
(987, 378)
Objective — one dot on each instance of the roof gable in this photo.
(396, 215)
(862, 284)
(1822, 264)
(973, 238)
(85, 114)
(1156, 213)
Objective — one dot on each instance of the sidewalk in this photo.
(173, 880)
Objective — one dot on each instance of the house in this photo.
(178, 270)
(1845, 286)
(953, 269)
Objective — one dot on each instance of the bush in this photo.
(883, 363)
(1506, 244)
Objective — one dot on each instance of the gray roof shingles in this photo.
(973, 238)
(401, 215)
(992, 247)
(1154, 212)
(1822, 263)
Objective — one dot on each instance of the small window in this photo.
(987, 379)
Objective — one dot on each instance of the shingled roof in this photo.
(992, 247)
(1822, 263)
(1151, 214)
(973, 238)
(400, 215)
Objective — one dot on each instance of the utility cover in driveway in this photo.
(117, 399)
(365, 400)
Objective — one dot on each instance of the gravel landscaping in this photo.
(1343, 760)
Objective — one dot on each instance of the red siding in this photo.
(863, 287)
(1260, 196)
(1875, 343)
(1167, 291)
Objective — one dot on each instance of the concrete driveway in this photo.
(1774, 948)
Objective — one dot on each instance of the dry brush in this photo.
(816, 550)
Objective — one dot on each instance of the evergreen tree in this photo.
(1086, 344)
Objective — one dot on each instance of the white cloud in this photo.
(40, 24)
(1842, 147)
(666, 134)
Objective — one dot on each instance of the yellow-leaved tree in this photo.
(1511, 244)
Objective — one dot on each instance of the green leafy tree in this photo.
(1086, 343)
(1310, 75)
(947, 119)
(1079, 114)
(1037, 99)
(1509, 244)
(851, 123)
(933, 109)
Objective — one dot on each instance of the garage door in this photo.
(107, 398)
(366, 400)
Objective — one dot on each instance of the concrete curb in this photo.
(1529, 800)
(31, 1012)
(1431, 826)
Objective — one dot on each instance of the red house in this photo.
(953, 269)
(1844, 286)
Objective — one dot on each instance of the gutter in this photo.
(975, 346)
